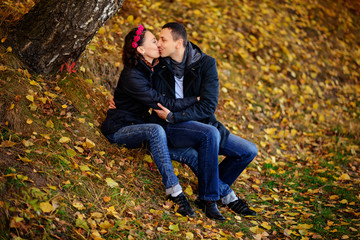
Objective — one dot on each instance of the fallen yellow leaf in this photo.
(303, 226)
(64, 140)
(50, 124)
(81, 223)
(96, 215)
(88, 143)
(34, 83)
(148, 158)
(111, 210)
(189, 235)
(78, 205)
(96, 235)
(257, 230)
(111, 183)
(174, 227)
(70, 152)
(24, 159)
(30, 98)
(106, 225)
(189, 190)
(27, 143)
(266, 225)
(344, 176)
(33, 106)
(46, 207)
(79, 149)
(7, 143)
(270, 131)
(84, 168)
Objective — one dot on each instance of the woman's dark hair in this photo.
(130, 55)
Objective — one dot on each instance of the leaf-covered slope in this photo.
(289, 75)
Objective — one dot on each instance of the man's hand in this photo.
(112, 104)
(163, 112)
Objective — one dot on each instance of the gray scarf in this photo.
(179, 68)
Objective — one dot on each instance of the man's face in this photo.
(166, 43)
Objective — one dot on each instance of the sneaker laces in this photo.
(182, 201)
(239, 205)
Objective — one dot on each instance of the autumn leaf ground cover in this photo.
(289, 76)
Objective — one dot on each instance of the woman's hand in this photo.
(112, 104)
(163, 112)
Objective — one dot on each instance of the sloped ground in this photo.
(289, 73)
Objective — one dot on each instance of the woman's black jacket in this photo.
(134, 96)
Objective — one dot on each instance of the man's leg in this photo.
(189, 156)
(227, 195)
(205, 139)
(239, 154)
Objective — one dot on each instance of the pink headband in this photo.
(137, 37)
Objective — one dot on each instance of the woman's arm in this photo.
(136, 85)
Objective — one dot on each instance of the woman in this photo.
(127, 124)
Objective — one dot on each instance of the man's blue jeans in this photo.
(239, 154)
(205, 139)
(135, 136)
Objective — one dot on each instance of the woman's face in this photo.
(149, 48)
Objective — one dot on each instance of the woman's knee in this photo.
(157, 131)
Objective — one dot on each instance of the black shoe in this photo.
(210, 209)
(184, 206)
(241, 207)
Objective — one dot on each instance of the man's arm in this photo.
(209, 93)
(141, 89)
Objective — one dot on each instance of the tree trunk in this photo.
(57, 31)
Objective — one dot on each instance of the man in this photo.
(184, 70)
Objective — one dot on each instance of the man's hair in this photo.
(177, 31)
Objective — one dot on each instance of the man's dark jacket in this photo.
(134, 96)
(200, 79)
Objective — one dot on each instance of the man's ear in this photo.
(179, 43)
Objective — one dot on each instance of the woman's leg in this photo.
(134, 136)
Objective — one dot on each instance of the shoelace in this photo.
(182, 201)
(239, 205)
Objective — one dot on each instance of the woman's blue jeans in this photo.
(205, 139)
(239, 154)
(135, 136)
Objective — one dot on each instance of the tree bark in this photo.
(57, 31)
